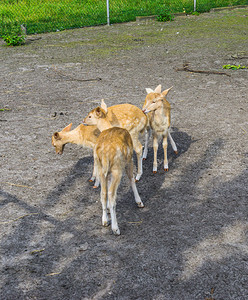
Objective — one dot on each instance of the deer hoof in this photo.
(116, 231)
(95, 187)
(106, 223)
(176, 152)
(154, 172)
(90, 180)
(144, 158)
(166, 169)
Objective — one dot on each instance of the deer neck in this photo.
(159, 112)
(72, 136)
(103, 124)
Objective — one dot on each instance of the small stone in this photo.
(83, 247)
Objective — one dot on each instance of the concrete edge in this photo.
(227, 8)
(216, 9)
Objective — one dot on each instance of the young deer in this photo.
(81, 135)
(113, 153)
(126, 116)
(158, 110)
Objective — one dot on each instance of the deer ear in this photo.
(164, 93)
(158, 89)
(67, 128)
(57, 136)
(148, 91)
(104, 106)
(98, 111)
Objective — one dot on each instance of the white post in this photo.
(194, 5)
(107, 12)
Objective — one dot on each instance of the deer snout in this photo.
(145, 111)
(59, 150)
(85, 121)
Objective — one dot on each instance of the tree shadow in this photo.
(79, 260)
(187, 250)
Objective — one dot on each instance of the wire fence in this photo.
(54, 15)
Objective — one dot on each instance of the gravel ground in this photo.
(190, 240)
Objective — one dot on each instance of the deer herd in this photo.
(113, 134)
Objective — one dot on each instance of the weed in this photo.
(234, 67)
(13, 34)
(195, 13)
(4, 109)
(14, 40)
(166, 16)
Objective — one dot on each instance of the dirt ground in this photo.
(190, 241)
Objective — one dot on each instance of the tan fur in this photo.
(162, 117)
(126, 116)
(113, 153)
(81, 135)
(158, 110)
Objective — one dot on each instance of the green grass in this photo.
(52, 15)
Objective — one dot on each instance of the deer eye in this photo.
(89, 117)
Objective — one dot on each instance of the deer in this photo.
(158, 110)
(81, 135)
(113, 153)
(126, 116)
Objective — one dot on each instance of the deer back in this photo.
(127, 116)
(114, 148)
(88, 135)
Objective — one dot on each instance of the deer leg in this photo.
(155, 151)
(105, 220)
(112, 193)
(173, 144)
(96, 184)
(138, 149)
(147, 135)
(92, 178)
(165, 145)
(95, 175)
(129, 170)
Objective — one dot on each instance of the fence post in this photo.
(194, 5)
(107, 2)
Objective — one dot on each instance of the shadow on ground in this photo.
(76, 259)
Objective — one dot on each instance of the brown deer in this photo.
(113, 153)
(126, 116)
(158, 110)
(81, 135)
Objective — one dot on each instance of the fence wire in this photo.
(54, 15)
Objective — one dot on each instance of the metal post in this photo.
(108, 23)
(194, 5)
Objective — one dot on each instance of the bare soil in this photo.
(190, 240)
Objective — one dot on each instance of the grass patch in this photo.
(234, 67)
(54, 15)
